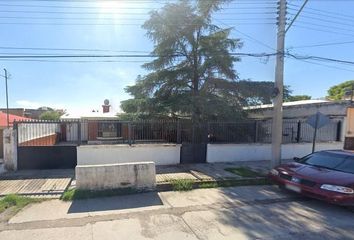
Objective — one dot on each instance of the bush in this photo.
(243, 172)
(16, 201)
(182, 184)
(76, 194)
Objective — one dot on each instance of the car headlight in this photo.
(274, 172)
(339, 189)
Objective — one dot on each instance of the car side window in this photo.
(346, 166)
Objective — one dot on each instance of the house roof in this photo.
(12, 118)
(288, 104)
(90, 115)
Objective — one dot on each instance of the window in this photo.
(339, 162)
(109, 130)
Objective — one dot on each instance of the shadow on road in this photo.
(116, 203)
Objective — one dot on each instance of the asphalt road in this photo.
(259, 212)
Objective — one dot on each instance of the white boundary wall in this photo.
(257, 152)
(160, 154)
(112, 176)
(10, 149)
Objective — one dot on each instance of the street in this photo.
(259, 212)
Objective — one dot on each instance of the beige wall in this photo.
(350, 123)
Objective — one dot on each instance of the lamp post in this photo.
(7, 99)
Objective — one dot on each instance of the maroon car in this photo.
(325, 175)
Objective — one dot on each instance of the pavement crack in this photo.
(177, 211)
(191, 229)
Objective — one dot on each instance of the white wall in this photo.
(160, 154)
(10, 149)
(72, 131)
(256, 152)
(112, 176)
(30, 131)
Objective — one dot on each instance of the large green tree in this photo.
(293, 98)
(51, 115)
(193, 71)
(338, 92)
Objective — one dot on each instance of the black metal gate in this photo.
(46, 157)
(194, 139)
(47, 144)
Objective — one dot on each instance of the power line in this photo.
(243, 2)
(311, 13)
(323, 44)
(302, 57)
(321, 64)
(321, 30)
(326, 20)
(112, 18)
(320, 59)
(119, 55)
(248, 36)
(326, 26)
(108, 13)
(296, 15)
(113, 24)
(340, 14)
(113, 7)
(72, 49)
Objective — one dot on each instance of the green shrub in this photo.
(182, 184)
(243, 172)
(76, 194)
(16, 201)
(208, 185)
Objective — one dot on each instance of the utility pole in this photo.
(7, 100)
(277, 124)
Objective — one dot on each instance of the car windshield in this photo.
(339, 162)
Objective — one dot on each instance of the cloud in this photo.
(35, 105)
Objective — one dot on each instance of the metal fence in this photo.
(46, 133)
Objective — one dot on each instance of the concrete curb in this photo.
(167, 186)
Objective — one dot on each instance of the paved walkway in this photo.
(205, 171)
(52, 183)
(36, 183)
(257, 212)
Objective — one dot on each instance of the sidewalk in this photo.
(257, 212)
(152, 201)
(206, 171)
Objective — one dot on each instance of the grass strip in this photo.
(77, 194)
(243, 172)
(16, 202)
(182, 184)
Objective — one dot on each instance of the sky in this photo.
(29, 27)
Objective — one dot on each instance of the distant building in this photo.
(3, 125)
(29, 113)
(96, 125)
(300, 109)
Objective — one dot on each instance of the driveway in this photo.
(258, 212)
(37, 183)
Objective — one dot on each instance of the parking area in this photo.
(36, 183)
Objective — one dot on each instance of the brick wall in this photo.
(42, 141)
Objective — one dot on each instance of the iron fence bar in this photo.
(298, 135)
(129, 133)
(339, 131)
(79, 133)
